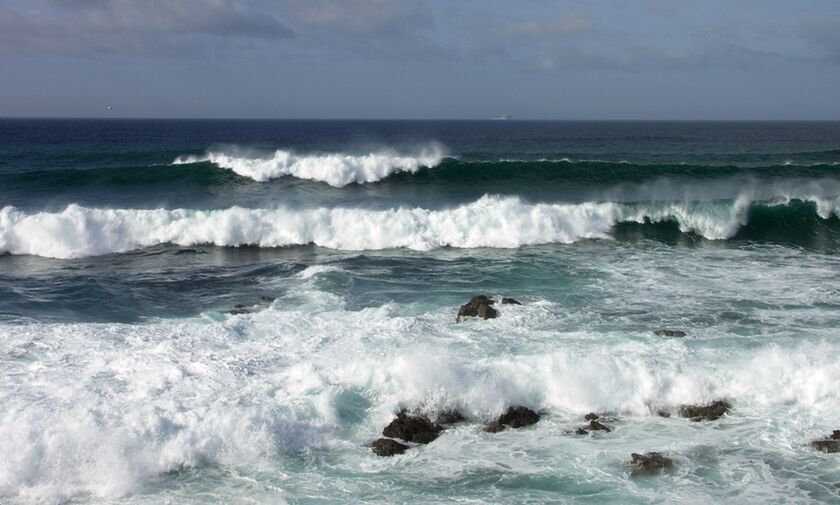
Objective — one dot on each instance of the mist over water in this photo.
(347, 248)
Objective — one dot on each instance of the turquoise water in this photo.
(126, 379)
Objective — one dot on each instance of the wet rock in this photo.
(649, 463)
(669, 333)
(485, 311)
(509, 301)
(708, 412)
(591, 416)
(596, 426)
(416, 429)
(450, 417)
(474, 308)
(515, 417)
(388, 447)
(663, 413)
(267, 299)
(830, 443)
(581, 431)
(240, 308)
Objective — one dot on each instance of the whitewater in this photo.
(214, 312)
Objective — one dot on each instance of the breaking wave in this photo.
(491, 221)
(336, 169)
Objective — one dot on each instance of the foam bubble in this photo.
(336, 169)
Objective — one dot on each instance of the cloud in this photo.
(133, 27)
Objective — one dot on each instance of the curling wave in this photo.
(491, 221)
(336, 169)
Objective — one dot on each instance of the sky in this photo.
(424, 59)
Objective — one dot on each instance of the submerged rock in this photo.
(267, 299)
(477, 306)
(649, 463)
(450, 417)
(669, 333)
(418, 429)
(515, 417)
(708, 412)
(240, 308)
(388, 447)
(592, 426)
(830, 443)
(509, 301)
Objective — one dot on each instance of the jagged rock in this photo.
(450, 417)
(649, 463)
(509, 301)
(515, 417)
(830, 443)
(474, 308)
(485, 311)
(416, 429)
(708, 412)
(669, 333)
(388, 447)
(595, 425)
(591, 416)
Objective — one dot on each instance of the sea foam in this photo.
(336, 169)
(491, 221)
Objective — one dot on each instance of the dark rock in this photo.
(591, 416)
(450, 417)
(663, 413)
(388, 447)
(485, 311)
(510, 301)
(515, 417)
(708, 412)
(581, 431)
(240, 308)
(826, 445)
(267, 299)
(830, 443)
(416, 429)
(649, 463)
(473, 308)
(596, 426)
(669, 333)
(494, 427)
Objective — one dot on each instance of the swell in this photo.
(449, 173)
(489, 222)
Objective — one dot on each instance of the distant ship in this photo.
(503, 117)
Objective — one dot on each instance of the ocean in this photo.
(221, 311)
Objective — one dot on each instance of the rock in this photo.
(485, 311)
(830, 443)
(450, 417)
(663, 413)
(708, 412)
(591, 416)
(267, 299)
(669, 333)
(509, 301)
(239, 308)
(596, 426)
(416, 429)
(515, 417)
(581, 431)
(388, 447)
(649, 463)
(473, 308)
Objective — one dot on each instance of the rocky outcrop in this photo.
(509, 301)
(478, 306)
(388, 447)
(593, 426)
(417, 429)
(669, 333)
(515, 417)
(830, 443)
(450, 417)
(708, 412)
(649, 463)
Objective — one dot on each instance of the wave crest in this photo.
(335, 169)
(491, 221)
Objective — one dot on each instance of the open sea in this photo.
(216, 312)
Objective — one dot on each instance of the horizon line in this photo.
(523, 119)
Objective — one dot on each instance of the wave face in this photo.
(491, 221)
(336, 169)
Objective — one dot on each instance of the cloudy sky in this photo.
(595, 59)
